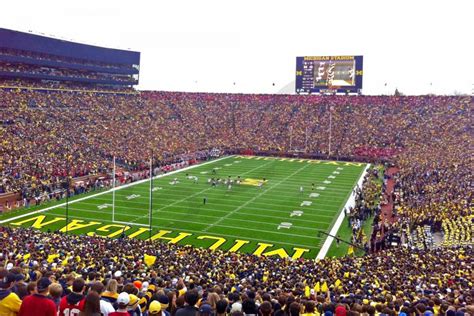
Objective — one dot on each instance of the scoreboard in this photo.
(321, 74)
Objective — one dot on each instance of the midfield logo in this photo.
(254, 182)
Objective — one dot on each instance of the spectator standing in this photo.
(9, 302)
(191, 298)
(39, 304)
(122, 302)
(74, 302)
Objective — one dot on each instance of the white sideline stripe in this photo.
(111, 190)
(350, 203)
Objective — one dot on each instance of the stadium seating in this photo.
(45, 133)
(407, 131)
(395, 280)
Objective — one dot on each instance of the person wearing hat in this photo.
(133, 308)
(39, 304)
(155, 308)
(164, 302)
(122, 302)
(205, 310)
(9, 302)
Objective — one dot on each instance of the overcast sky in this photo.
(201, 45)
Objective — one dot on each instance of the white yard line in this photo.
(201, 232)
(350, 203)
(253, 199)
(126, 208)
(317, 203)
(128, 214)
(111, 190)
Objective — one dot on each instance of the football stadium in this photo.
(123, 195)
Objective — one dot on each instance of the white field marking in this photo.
(156, 189)
(174, 182)
(343, 192)
(251, 209)
(320, 188)
(335, 228)
(195, 194)
(133, 196)
(102, 206)
(286, 225)
(310, 236)
(110, 190)
(332, 177)
(314, 195)
(335, 187)
(340, 168)
(237, 161)
(336, 172)
(263, 201)
(290, 198)
(200, 232)
(254, 198)
(216, 168)
(296, 213)
(228, 164)
(322, 162)
(204, 172)
(306, 203)
(124, 223)
(326, 182)
(197, 222)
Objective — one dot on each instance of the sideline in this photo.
(350, 203)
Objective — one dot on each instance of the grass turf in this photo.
(246, 212)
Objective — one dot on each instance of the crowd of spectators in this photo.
(426, 137)
(366, 207)
(42, 85)
(46, 135)
(420, 282)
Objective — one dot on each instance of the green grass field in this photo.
(275, 219)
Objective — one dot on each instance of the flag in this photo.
(52, 257)
(337, 283)
(350, 250)
(317, 288)
(346, 274)
(149, 260)
(27, 256)
(324, 287)
(307, 291)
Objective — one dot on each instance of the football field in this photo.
(267, 213)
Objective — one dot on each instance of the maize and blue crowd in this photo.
(427, 138)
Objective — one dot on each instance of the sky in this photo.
(250, 46)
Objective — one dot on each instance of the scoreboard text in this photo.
(321, 74)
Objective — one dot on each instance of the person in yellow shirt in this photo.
(9, 302)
